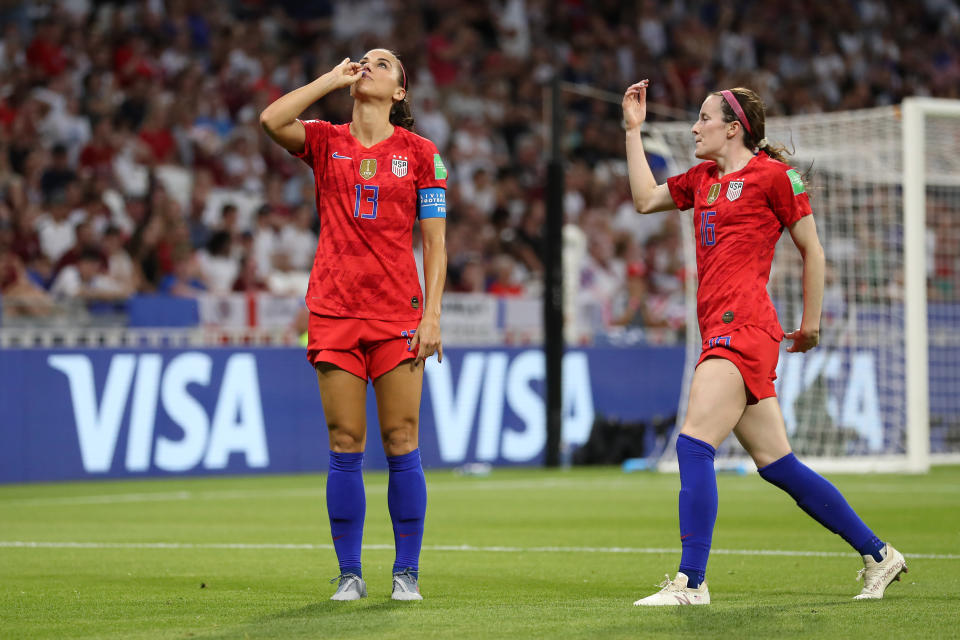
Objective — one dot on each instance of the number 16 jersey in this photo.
(368, 199)
(737, 221)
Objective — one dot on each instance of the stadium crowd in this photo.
(131, 158)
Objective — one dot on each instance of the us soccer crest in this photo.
(734, 189)
(368, 168)
(399, 166)
(713, 193)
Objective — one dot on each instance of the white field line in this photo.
(21, 544)
(470, 484)
(467, 484)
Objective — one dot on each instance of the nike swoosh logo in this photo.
(340, 157)
(338, 537)
(405, 535)
(686, 536)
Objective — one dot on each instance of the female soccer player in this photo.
(368, 316)
(743, 196)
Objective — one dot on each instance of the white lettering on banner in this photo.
(524, 444)
(186, 412)
(453, 412)
(237, 426)
(489, 379)
(97, 429)
(143, 412)
(491, 410)
(238, 419)
(858, 407)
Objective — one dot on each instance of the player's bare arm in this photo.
(434, 274)
(804, 234)
(279, 119)
(648, 196)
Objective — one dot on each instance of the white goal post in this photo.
(885, 190)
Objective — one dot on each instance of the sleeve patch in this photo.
(432, 203)
(439, 170)
(796, 182)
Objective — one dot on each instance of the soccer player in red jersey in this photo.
(743, 195)
(368, 315)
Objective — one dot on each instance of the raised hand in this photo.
(635, 104)
(346, 73)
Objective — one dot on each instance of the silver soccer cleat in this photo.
(405, 586)
(349, 587)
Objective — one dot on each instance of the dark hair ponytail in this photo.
(401, 115)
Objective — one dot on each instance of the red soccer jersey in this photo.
(737, 221)
(367, 201)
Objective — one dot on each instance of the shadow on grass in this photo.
(367, 618)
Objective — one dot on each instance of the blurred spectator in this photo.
(186, 280)
(218, 267)
(504, 282)
(86, 242)
(298, 240)
(55, 228)
(87, 281)
(120, 266)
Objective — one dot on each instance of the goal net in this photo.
(880, 393)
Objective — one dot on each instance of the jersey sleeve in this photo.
(431, 172)
(788, 196)
(683, 187)
(316, 133)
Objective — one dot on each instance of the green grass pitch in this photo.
(522, 553)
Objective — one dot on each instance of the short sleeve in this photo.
(431, 172)
(316, 133)
(683, 187)
(788, 196)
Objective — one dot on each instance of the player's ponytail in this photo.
(401, 115)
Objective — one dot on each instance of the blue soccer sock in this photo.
(407, 501)
(698, 506)
(822, 502)
(346, 506)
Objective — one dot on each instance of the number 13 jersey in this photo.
(368, 199)
(737, 221)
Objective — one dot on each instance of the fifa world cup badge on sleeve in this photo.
(439, 170)
(796, 182)
(713, 193)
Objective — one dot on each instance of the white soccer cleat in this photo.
(349, 587)
(675, 592)
(405, 586)
(877, 576)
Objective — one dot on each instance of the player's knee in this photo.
(399, 436)
(345, 440)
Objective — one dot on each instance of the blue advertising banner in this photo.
(74, 414)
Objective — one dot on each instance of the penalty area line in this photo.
(254, 546)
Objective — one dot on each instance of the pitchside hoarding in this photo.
(73, 414)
